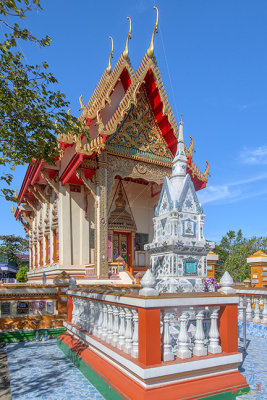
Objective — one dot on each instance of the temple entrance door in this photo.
(122, 246)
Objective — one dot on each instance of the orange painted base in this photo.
(128, 388)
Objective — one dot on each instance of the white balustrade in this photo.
(183, 339)
(115, 337)
(110, 324)
(128, 331)
(214, 335)
(199, 347)
(248, 309)
(121, 341)
(167, 348)
(118, 326)
(105, 322)
(135, 345)
(256, 310)
(99, 325)
(241, 305)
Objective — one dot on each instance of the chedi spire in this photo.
(180, 160)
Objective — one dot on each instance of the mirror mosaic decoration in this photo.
(178, 252)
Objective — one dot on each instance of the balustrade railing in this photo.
(255, 304)
(115, 325)
(185, 331)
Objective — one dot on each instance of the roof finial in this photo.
(126, 51)
(110, 56)
(82, 106)
(181, 119)
(150, 50)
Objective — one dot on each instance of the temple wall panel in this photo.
(91, 225)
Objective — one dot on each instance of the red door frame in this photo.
(129, 245)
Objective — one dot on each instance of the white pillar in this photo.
(92, 316)
(105, 322)
(128, 332)
(264, 314)
(241, 305)
(110, 324)
(99, 326)
(183, 339)
(214, 335)
(135, 334)
(167, 348)
(257, 310)
(249, 309)
(115, 337)
(121, 329)
(199, 348)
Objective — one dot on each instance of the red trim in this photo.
(71, 167)
(149, 336)
(130, 389)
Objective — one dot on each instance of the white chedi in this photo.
(179, 250)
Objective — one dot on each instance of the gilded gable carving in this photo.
(139, 135)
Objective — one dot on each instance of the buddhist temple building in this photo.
(97, 201)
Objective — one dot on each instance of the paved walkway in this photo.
(5, 393)
(39, 370)
(254, 368)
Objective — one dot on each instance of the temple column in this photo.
(101, 221)
(65, 242)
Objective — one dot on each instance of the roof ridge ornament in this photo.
(150, 50)
(110, 56)
(126, 50)
(82, 106)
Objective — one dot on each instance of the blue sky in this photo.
(213, 60)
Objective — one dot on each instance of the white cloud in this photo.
(216, 193)
(254, 156)
(232, 192)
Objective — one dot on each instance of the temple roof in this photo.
(113, 103)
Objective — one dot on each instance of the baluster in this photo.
(80, 319)
(167, 348)
(78, 312)
(199, 348)
(105, 322)
(257, 310)
(110, 324)
(96, 318)
(135, 334)
(115, 337)
(128, 331)
(74, 311)
(99, 326)
(121, 341)
(214, 335)
(86, 313)
(183, 339)
(92, 316)
(241, 305)
(249, 309)
(264, 314)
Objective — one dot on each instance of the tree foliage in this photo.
(29, 103)
(22, 274)
(11, 246)
(233, 252)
